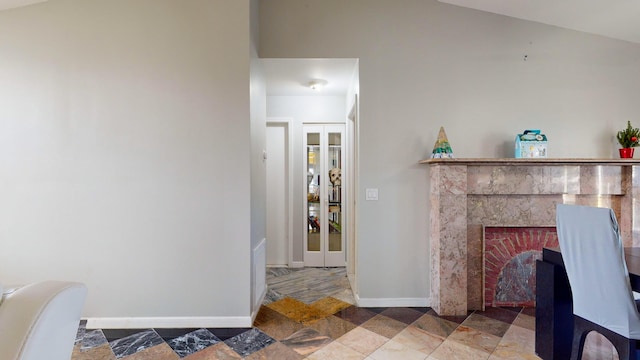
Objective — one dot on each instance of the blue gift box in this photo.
(531, 144)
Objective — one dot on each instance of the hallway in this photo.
(308, 284)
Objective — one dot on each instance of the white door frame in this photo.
(352, 198)
(288, 124)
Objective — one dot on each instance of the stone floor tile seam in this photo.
(436, 348)
(374, 350)
(450, 338)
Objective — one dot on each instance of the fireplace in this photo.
(467, 196)
(510, 255)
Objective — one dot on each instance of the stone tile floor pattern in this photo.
(318, 326)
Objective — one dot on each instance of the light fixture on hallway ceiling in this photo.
(317, 84)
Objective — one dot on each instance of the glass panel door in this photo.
(335, 192)
(323, 162)
(314, 213)
(335, 240)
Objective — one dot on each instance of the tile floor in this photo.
(309, 314)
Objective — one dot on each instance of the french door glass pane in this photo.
(313, 192)
(334, 187)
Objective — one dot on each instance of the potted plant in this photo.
(628, 139)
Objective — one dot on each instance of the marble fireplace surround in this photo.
(467, 194)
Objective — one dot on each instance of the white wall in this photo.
(303, 109)
(258, 166)
(125, 156)
(424, 64)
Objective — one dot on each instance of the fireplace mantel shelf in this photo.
(538, 161)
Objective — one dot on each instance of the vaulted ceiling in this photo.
(618, 19)
(10, 4)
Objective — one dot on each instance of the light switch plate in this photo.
(371, 194)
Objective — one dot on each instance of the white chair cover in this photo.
(40, 320)
(594, 259)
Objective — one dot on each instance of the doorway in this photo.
(291, 96)
(279, 207)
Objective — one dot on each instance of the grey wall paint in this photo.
(424, 64)
(125, 153)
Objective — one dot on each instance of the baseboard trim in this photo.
(256, 308)
(169, 322)
(297, 264)
(259, 264)
(392, 302)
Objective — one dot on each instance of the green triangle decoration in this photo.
(442, 149)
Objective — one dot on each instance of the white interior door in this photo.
(277, 194)
(324, 242)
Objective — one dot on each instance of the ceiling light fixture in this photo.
(317, 84)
